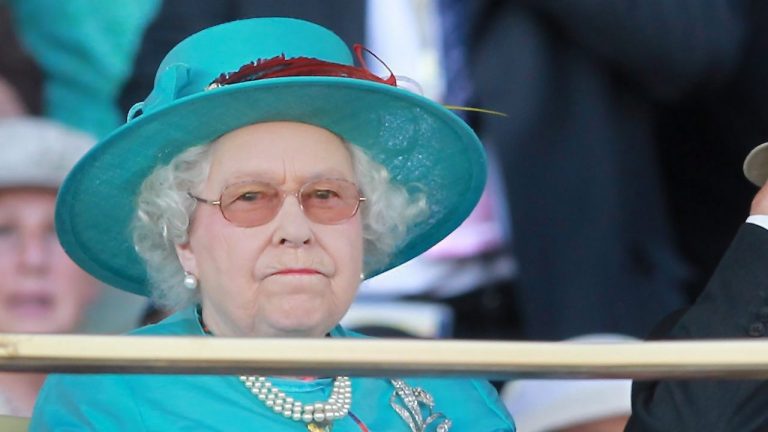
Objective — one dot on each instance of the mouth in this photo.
(297, 272)
(29, 305)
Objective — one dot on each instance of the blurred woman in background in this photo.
(41, 289)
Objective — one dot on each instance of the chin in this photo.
(38, 327)
(300, 327)
(302, 316)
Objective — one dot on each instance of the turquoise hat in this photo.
(417, 140)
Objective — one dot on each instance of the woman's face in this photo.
(41, 289)
(290, 276)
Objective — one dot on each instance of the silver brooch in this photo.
(416, 406)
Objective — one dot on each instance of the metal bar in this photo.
(383, 357)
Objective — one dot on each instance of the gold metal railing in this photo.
(384, 357)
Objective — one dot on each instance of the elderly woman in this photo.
(259, 183)
(41, 289)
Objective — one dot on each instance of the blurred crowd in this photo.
(615, 180)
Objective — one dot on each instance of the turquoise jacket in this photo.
(222, 403)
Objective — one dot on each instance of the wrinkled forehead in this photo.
(281, 152)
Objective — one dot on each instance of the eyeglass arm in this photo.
(202, 200)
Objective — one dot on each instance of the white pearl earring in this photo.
(190, 281)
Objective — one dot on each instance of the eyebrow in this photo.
(280, 179)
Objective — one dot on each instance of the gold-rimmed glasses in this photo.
(326, 201)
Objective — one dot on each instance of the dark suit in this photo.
(579, 80)
(733, 305)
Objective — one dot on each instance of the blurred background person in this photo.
(41, 289)
(582, 83)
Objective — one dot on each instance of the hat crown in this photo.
(199, 59)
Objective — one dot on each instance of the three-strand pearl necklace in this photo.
(317, 416)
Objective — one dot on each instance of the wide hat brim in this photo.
(419, 141)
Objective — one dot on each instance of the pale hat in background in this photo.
(38, 152)
(756, 165)
(543, 405)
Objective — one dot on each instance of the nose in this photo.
(35, 248)
(292, 228)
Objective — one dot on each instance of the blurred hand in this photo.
(760, 202)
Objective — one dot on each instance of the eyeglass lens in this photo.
(325, 201)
